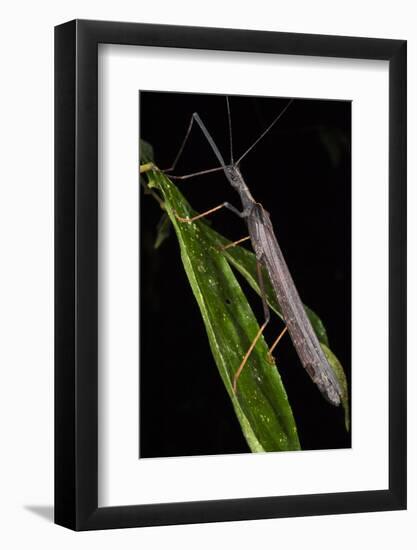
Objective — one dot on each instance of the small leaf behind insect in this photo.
(163, 230)
(261, 404)
(145, 152)
(341, 377)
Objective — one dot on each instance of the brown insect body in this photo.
(269, 253)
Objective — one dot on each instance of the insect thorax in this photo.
(236, 180)
(234, 176)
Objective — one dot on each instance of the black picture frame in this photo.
(76, 271)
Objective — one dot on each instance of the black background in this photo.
(301, 173)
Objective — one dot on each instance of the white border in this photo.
(123, 479)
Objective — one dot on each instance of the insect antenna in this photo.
(229, 118)
(264, 132)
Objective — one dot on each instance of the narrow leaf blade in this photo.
(261, 403)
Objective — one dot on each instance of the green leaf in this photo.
(261, 403)
(341, 376)
(244, 262)
(163, 230)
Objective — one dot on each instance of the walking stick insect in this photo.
(268, 255)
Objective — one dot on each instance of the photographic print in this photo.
(230, 359)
